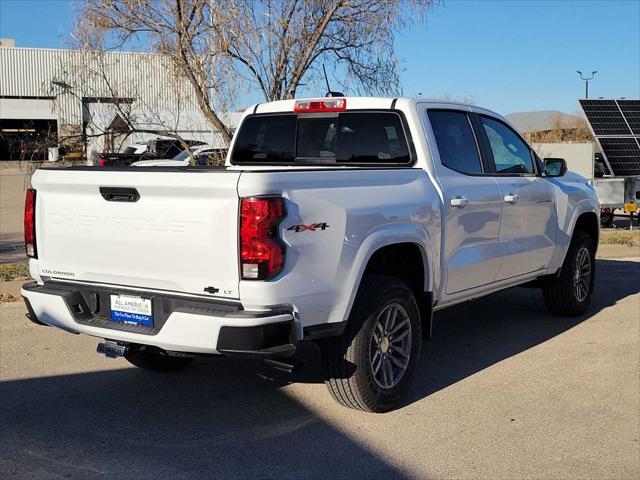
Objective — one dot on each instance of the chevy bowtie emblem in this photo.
(311, 227)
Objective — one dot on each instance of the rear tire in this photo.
(569, 294)
(371, 366)
(156, 360)
(606, 219)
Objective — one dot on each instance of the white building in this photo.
(74, 97)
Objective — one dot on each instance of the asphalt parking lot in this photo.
(504, 390)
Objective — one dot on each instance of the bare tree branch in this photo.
(226, 47)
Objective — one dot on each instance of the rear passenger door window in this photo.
(511, 154)
(456, 141)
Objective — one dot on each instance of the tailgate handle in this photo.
(119, 194)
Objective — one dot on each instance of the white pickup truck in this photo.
(343, 221)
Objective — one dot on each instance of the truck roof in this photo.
(357, 103)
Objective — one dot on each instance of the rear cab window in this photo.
(266, 139)
(345, 138)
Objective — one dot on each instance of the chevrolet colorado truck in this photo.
(342, 221)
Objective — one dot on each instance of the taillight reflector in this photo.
(320, 105)
(261, 252)
(30, 223)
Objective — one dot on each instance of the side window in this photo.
(510, 153)
(456, 143)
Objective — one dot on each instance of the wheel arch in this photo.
(407, 262)
(588, 222)
(377, 255)
(585, 215)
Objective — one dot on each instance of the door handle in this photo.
(459, 202)
(511, 198)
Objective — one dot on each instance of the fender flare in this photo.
(389, 235)
(565, 233)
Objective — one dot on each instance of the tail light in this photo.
(30, 223)
(102, 162)
(261, 251)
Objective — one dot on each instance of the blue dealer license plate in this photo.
(131, 310)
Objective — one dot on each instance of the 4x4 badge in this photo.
(312, 227)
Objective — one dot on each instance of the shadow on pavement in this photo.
(227, 419)
(472, 336)
(218, 419)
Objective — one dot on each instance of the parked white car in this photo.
(203, 155)
(136, 148)
(343, 221)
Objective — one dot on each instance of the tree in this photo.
(276, 46)
(563, 130)
(103, 97)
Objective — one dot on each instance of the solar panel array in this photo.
(616, 126)
(605, 117)
(623, 154)
(631, 111)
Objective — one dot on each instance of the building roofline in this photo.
(75, 50)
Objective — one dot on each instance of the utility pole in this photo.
(586, 81)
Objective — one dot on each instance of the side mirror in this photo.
(555, 167)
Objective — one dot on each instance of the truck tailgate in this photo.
(180, 235)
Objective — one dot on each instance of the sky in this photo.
(509, 55)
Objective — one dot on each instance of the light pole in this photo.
(586, 81)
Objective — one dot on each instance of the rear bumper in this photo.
(180, 324)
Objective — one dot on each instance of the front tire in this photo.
(156, 360)
(569, 294)
(370, 366)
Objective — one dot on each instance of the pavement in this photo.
(504, 390)
(617, 251)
